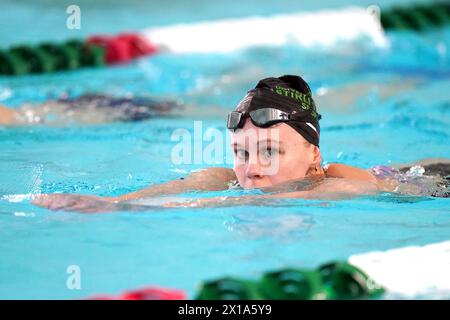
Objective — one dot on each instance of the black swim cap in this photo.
(290, 94)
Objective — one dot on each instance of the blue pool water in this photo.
(401, 115)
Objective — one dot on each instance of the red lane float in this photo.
(123, 47)
(146, 293)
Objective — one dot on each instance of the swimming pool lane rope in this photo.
(417, 18)
(337, 280)
(100, 50)
(405, 272)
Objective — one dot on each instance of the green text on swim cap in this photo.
(305, 99)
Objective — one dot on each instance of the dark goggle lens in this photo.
(268, 116)
(234, 118)
(262, 118)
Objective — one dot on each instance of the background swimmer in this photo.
(94, 109)
(283, 121)
(88, 109)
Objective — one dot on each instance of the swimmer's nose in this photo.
(254, 171)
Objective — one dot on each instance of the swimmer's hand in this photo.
(78, 203)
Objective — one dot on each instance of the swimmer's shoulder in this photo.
(219, 172)
(338, 170)
(213, 178)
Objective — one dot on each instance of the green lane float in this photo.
(344, 281)
(65, 56)
(89, 55)
(50, 57)
(12, 64)
(35, 60)
(421, 17)
(337, 280)
(292, 284)
(229, 288)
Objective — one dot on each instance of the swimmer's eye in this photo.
(241, 154)
(270, 152)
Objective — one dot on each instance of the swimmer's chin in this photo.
(284, 186)
(253, 184)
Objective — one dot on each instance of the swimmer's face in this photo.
(264, 157)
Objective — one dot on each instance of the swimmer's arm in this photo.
(348, 172)
(7, 115)
(210, 179)
(338, 170)
(332, 189)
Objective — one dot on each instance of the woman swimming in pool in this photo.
(275, 137)
(88, 109)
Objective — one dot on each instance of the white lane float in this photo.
(307, 29)
(409, 272)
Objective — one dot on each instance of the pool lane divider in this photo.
(420, 17)
(96, 51)
(337, 280)
(147, 293)
(407, 272)
(322, 28)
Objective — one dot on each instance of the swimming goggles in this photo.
(263, 118)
